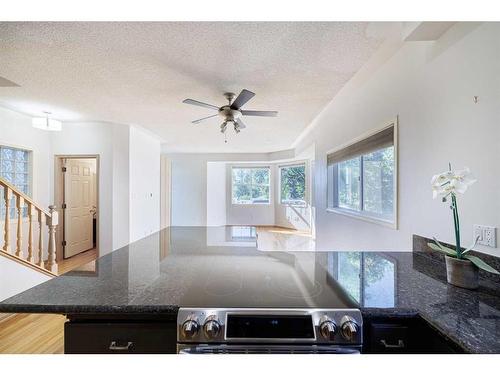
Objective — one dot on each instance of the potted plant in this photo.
(462, 269)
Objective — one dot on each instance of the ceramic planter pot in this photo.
(462, 273)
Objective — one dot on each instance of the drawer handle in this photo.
(114, 346)
(399, 345)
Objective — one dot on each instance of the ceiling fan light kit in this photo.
(231, 112)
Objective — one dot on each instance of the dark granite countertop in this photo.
(212, 267)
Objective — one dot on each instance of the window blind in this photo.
(382, 139)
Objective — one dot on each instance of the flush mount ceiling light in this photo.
(46, 123)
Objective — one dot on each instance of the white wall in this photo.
(121, 189)
(216, 193)
(16, 278)
(430, 86)
(144, 177)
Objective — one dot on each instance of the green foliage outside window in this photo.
(250, 185)
(293, 184)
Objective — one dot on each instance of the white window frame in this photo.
(29, 173)
(295, 164)
(364, 215)
(268, 167)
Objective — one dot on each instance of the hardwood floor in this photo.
(41, 333)
(77, 261)
(32, 334)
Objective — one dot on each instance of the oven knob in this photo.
(349, 328)
(327, 328)
(211, 327)
(190, 327)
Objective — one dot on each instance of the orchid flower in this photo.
(451, 182)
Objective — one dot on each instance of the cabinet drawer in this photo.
(389, 338)
(119, 338)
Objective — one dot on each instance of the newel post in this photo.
(51, 263)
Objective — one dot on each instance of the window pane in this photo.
(21, 167)
(260, 176)
(378, 182)
(241, 193)
(20, 155)
(241, 175)
(8, 176)
(293, 184)
(250, 185)
(349, 184)
(14, 167)
(7, 153)
(7, 166)
(260, 194)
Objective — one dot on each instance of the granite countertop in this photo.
(214, 267)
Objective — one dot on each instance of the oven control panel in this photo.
(308, 326)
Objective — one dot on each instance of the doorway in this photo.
(77, 197)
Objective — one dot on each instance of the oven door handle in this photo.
(266, 349)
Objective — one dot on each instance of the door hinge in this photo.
(64, 243)
(63, 206)
(64, 169)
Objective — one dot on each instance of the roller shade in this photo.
(382, 139)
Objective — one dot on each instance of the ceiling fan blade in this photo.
(244, 97)
(204, 118)
(201, 104)
(260, 113)
(241, 124)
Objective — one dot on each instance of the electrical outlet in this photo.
(487, 235)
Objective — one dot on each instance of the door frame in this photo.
(58, 198)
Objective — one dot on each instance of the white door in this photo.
(79, 197)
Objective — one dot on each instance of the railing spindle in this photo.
(40, 238)
(7, 194)
(30, 233)
(19, 206)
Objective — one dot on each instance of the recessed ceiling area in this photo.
(138, 73)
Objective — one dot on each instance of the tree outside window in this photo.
(250, 185)
(293, 184)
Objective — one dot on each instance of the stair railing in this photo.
(33, 254)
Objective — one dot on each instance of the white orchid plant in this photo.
(447, 185)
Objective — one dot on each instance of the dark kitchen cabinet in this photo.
(405, 336)
(119, 337)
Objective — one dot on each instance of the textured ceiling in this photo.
(139, 73)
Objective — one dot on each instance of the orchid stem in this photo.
(457, 225)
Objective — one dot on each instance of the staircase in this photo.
(39, 252)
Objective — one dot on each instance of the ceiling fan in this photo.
(232, 112)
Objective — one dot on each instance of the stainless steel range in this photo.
(257, 330)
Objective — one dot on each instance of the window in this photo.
(293, 184)
(15, 169)
(361, 178)
(250, 185)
